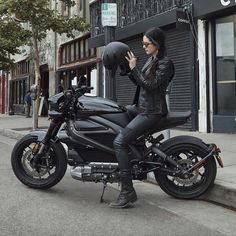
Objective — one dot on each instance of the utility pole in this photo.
(109, 22)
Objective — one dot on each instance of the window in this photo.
(86, 48)
(22, 68)
(68, 59)
(225, 34)
(65, 10)
(81, 49)
(72, 52)
(76, 50)
(63, 55)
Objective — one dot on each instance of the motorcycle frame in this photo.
(55, 126)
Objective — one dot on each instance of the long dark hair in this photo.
(157, 37)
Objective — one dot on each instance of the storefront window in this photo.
(226, 65)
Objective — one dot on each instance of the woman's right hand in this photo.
(131, 59)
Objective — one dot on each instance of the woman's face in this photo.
(149, 47)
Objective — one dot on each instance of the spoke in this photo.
(193, 157)
(201, 174)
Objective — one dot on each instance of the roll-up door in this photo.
(180, 52)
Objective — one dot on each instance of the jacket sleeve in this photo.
(164, 73)
(131, 77)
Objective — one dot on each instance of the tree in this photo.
(41, 19)
(12, 36)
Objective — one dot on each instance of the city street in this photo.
(73, 208)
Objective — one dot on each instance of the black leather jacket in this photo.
(153, 88)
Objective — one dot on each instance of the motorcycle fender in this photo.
(211, 149)
(183, 139)
(40, 134)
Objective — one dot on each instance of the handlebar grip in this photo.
(82, 90)
(90, 88)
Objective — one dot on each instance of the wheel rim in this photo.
(187, 159)
(45, 170)
(198, 181)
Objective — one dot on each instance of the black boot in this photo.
(127, 194)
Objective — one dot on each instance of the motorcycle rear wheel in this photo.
(203, 178)
(51, 170)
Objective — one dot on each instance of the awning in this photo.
(78, 64)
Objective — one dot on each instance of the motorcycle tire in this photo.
(43, 178)
(187, 154)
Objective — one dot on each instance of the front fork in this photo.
(39, 150)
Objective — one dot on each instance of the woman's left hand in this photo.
(131, 59)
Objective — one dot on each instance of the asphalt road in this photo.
(72, 208)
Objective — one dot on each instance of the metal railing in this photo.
(132, 11)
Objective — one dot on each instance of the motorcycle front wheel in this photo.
(187, 155)
(50, 170)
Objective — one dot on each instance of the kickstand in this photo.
(103, 191)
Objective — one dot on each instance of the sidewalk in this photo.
(224, 190)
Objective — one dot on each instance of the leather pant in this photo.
(140, 124)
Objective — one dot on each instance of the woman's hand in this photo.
(131, 59)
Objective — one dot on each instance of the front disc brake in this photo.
(28, 167)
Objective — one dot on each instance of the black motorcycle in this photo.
(184, 166)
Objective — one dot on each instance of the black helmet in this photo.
(114, 56)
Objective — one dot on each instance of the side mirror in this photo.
(34, 90)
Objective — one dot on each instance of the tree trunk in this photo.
(37, 77)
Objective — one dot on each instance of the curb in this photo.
(12, 133)
(223, 193)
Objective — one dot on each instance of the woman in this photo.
(150, 107)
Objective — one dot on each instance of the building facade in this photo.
(217, 65)
(62, 61)
(204, 56)
(134, 18)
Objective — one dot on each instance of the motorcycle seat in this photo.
(173, 119)
(175, 116)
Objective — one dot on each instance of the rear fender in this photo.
(211, 149)
(184, 139)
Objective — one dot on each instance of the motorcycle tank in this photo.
(97, 105)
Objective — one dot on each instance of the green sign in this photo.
(109, 14)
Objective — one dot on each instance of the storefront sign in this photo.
(109, 14)
(211, 7)
(226, 3)
(182, 20)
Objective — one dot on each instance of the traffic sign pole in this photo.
(109, 22)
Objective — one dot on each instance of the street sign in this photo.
(109, 14)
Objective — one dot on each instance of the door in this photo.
(224, 119)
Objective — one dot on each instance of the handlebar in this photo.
(84, 89)
(77, 92)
